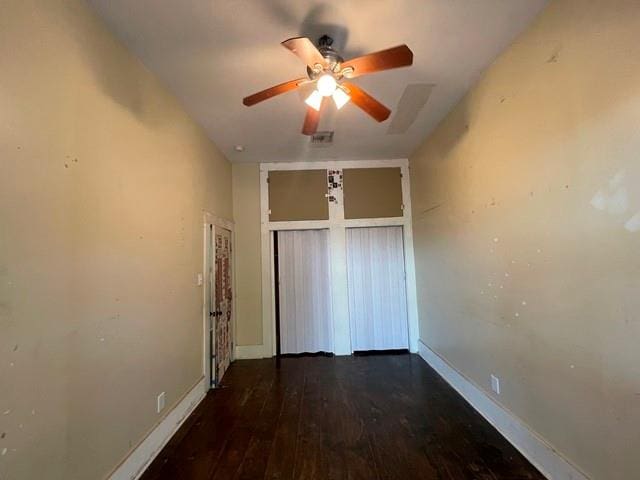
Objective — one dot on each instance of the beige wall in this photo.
(246, 213)
(526, 206)
(102, 186)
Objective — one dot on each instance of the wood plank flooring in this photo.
(373, 417)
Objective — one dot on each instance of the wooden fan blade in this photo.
(305, 50)
(273, 91)
(400, 56)
(367, 103)
(312, 119)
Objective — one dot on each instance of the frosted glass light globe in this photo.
(326, 85)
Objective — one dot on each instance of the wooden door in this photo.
(223, 302)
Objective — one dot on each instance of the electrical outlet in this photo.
(199, 279)
(160, 402)
(495, 384)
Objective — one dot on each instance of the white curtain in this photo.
(305, 294)
(377, 289)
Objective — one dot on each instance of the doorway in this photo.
(218, 298)
(222, 302)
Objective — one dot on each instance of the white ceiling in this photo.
(211, 54)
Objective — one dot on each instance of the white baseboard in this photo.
(244, 352)
(141, 457)
(537, 450)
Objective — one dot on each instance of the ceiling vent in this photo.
(322, 139)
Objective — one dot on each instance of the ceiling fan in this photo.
(329, 72)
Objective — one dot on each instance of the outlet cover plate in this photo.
(160, 402)
(495, 384)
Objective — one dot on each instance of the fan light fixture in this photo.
(340, 98)
(327, 85)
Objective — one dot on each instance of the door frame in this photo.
(211, 222)
(337, 225)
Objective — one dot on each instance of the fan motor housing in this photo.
(333, 58)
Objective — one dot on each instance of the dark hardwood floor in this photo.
(370, 417)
